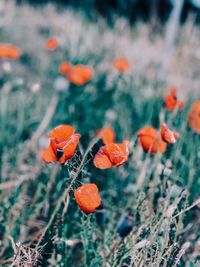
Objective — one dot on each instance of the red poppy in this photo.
(107, 134)
(112, 155)
(9, 51)
(168, 135)
(171, 101)
(63, 143)
(80, 75)
(64, 67)
(151, 141)
(87, 197)
(51, 44)
(194, 117)
(121, 64)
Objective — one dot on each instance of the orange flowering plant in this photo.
(62, 147)
(172, 102)
(121, 64)
(153, 142)
(9, 51)
(64, 67)
(80, 74)
(107, 135)
(51, 44)
(150, 140)
(63, 144)
(167, 135)
(111, 155)
(87, 197)
(194, 117)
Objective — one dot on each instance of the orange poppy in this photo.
(87, 197)
(51, 44)
(107, 134)
(121, 64)
(112, 155)
(63, 143)
(194, 117)
(195, 107)
(168, 135)
(80, 75)
(9, 51)
(171, 101)
(64, 67)
(151, 141)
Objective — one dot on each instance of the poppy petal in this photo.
(101, 160)
(168, 135)
(62, 132)
(70, 147)
(162, 146)
(48, 155)
(118, 153)
(107, 135)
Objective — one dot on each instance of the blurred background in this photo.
(146, 10)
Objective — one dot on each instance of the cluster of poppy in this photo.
(64, 141)
(80, 74)
(62, 147)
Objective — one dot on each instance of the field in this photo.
(150, 211)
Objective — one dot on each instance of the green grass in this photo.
(152, 189)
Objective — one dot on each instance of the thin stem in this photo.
(197, 202)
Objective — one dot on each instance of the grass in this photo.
(40, 223)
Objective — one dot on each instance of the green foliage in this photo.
(153, 190)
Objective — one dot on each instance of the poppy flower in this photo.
(168, 135)
(64, 67)
(111, 155)
(107, 134)
(121, 64)
(80, 74)
(151, 141)
(171, 101)
(9, 51)
(194, 117)
(63, 143)
(87, 197)
(51, 44)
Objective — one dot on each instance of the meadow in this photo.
(149, 213)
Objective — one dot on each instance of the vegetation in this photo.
(150, 214)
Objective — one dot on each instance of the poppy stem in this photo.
(66, 192)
